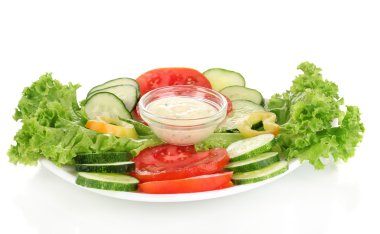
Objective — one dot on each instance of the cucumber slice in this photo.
(114, 82)
(107, 181)
(243, 93)
(261, 174)
(221, 78)
(241, 109)
(106, 104)
(251, 164)
(105, 157)
(117, 167)
(127, 93)
(250, 147)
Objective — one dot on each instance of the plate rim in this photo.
(67, 173)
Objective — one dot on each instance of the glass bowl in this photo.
(184, 130)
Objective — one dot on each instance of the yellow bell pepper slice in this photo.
(115, 127)
(267, 118)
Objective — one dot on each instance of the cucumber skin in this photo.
(105, 157)
(258, 179)
(263, 149)
(255, 165)
(93, 89)
(106, 169)
(254, 90)
(90, 183)
(85, 102)
(224, 70)
(110, 91)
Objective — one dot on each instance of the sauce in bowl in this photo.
(181, 108)
(183, 115)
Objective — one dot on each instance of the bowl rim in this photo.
(220, 112)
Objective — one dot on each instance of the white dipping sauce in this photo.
(181, 108)
(184, 125)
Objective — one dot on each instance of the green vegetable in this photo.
(306, 113)
(105, 104)
(107, 181)
(241, 110)
(243, 93)
(53, 127)
(265, 173)
(101, 158)
(218, 140)
(255, 163)
(250, 147)
(221, 78)
(115, 167)
(141, 129)
(50, 102)
(115, 82)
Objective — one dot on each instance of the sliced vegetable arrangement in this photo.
(110, 145)
(168, 162)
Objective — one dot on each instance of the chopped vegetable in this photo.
(115, 167)
(306, 113)
(268, 120)
(128, 94)
(229, 104)
(241, 109)
(168, 162)
(141, 129)
(243, 93)
(162, 77)
(250, 147)
(101, 158)
(188, 185)
(268, 172)
(221, 78)
(52, 127)
(255, 163)
(115, 82)
(125, 130)
(107, 105)
(107, 181)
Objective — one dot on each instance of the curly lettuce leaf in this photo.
(49, 101)
(306, 113)
(53, 127)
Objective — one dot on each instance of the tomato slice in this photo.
(162, 77)
(229, 104)
(136, 115)
(168, 162)
(188, 185)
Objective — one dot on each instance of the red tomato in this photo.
(188, 185)
(168, 162)
(136, 115)
(229, 104)
(171, 76)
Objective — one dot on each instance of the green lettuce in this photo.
(50, 102)
(307, 113)
(218, 140)
(52, 127)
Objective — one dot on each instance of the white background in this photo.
(89, 42)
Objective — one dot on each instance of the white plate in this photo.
(69, 174)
